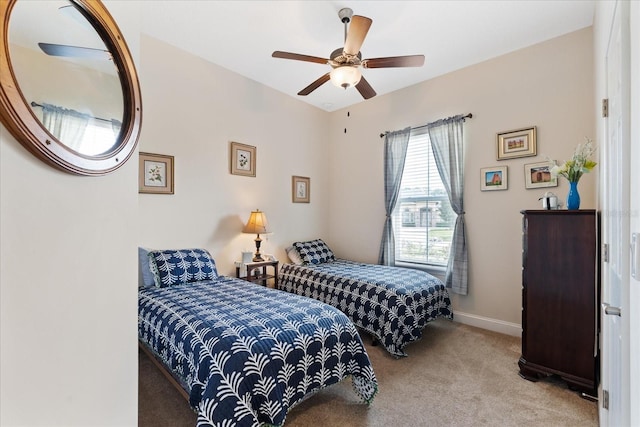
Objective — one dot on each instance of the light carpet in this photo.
(456, 375)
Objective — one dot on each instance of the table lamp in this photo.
(257, 224)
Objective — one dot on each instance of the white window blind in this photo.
(423, 219)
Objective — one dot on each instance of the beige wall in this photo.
(47, 79)
(193, 110)
(549, 85)
(68, 349)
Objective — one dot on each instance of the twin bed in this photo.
(391, 303)
(245, 354)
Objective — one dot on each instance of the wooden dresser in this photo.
(560, 296)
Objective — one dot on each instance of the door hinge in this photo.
(605, 252)
(605, 399)
(605, 107)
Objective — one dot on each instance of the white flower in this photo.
(579, 164)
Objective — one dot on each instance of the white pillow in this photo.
(293, 255)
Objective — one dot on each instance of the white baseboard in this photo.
(507, 328)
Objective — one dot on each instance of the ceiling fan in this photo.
(346, 61)
(75, 51)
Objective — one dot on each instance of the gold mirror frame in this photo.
(17, 116)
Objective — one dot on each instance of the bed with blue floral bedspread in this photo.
(394, 304)
(245, 354)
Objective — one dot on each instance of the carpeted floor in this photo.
(456, 375)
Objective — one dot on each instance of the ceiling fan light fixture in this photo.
(345, 76)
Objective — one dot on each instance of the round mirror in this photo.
(71, 96)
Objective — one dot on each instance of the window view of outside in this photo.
(423, 219)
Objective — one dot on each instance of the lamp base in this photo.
(257, 257)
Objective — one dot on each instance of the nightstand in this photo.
(257, 272)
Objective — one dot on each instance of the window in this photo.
(91, 136)
(423, 219)
(99, 137)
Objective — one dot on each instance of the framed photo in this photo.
(517, 143)
(243, 159)
(155, 173)
(538, 175)
(300, 189)
(494, 178)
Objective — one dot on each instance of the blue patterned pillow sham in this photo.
(314, 252)
(179, 266)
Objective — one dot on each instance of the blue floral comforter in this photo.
(392, 303)
(246, 354)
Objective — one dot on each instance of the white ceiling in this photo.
(241, 35)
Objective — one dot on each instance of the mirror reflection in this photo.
(66, 75)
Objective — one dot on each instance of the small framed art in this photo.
(538, 175)
(516, 143)
(155, 173)
(242, 159)
(494, 178)
(300, 189)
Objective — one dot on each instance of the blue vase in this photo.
(573, 198)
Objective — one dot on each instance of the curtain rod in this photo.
(468, 116)
(35, 104)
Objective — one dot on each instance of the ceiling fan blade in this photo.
(74, 51)
(299, 57)
(394, 61)
(365, 89)
(358, 29)
(315, 85)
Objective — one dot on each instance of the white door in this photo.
(615, 384)
(634, 286)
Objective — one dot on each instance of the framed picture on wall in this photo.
(300, 189)
(242, 159)
(538, 175)
(516, 143)
(155, 173)
(494, 178)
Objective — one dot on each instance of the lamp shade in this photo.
(345, 76)
(257, 223)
